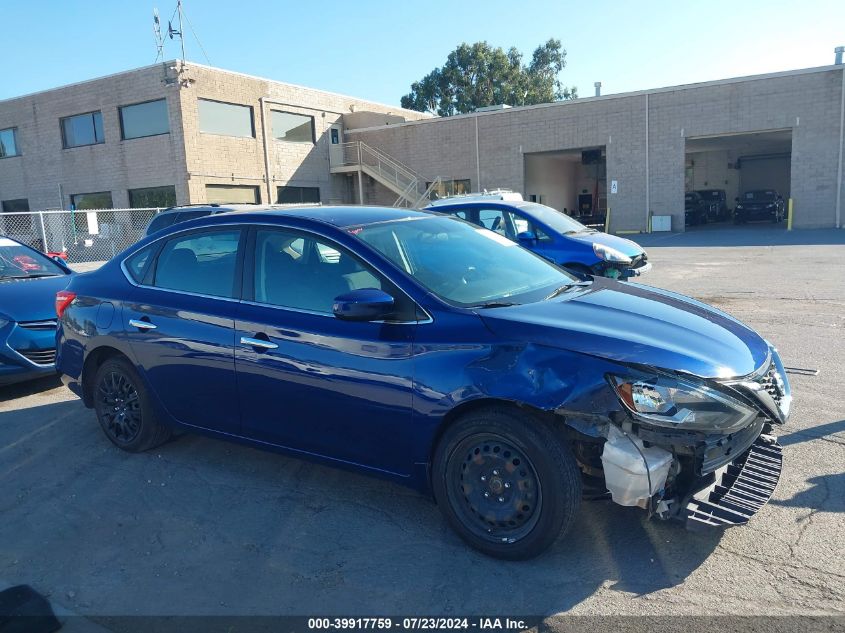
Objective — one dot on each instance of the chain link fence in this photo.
(82, 236)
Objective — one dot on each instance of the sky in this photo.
(375, 49)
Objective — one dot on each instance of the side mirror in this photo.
(527, 236)
(365, 304)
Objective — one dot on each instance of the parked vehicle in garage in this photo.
(717, 202)
(550, 233)
(696, 209)
(29, 282)
(761, 204)
(437, 354)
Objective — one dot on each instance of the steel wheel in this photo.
(118, 406)
(494, 488)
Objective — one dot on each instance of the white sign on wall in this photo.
(614, 186)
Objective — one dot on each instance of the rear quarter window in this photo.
(138, 264)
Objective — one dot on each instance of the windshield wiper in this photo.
(566, 287)
(495, 304)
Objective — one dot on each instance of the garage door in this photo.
(765, 173)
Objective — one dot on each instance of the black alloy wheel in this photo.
(124, 409)
(118, 407)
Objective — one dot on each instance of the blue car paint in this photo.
(23, 303)
(375, 396)
(562, 249)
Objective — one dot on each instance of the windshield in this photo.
(555, 220)
(463, 264)
(19, 262)
(760, 196)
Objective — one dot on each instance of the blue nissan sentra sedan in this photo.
(29, 282)
(430, 351)
(550, 233)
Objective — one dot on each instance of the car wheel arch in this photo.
(473, 406)
(94, 360)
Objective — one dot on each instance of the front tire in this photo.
(124, 409)
(506, 483)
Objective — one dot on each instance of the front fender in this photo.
(524, 374)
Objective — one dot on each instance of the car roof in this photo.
(339, 216)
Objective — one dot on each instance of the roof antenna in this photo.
(171, 31)
(157, 35)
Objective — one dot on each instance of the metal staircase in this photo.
(412, 189)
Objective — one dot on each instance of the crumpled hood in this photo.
(631, 323)
(626, 247)
(31, 299)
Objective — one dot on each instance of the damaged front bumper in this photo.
(739, 489)
(703, 479)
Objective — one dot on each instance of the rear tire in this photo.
(506, 483)
(124, 409)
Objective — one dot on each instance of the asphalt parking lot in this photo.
(199, 526)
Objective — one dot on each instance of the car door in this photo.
(180, 324)
(309, 381)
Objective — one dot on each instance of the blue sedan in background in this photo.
(435, 353)
(550, 233)
(29, 282)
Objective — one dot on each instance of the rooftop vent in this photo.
(598, 88)
(493, 108)
(839, 50)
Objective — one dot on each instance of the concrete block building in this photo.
(186, 133)
(638, 153)
(175, 133)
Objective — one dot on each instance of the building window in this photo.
(86, 201)
(293, 128)
(9, 143)
(232, 194)
(150, 197)
(449, 188)
(144, 119)
(20, 205)
(83, 129)
(227, 119)
(295, 195)
(22, 223)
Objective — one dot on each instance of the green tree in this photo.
(479, 75)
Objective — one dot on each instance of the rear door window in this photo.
(201, 263)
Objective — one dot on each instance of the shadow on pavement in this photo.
(211, 527)
(812, 433)
(743, 235)
(28, 388)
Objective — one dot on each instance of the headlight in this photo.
(677, 403)
(609, 254)
(739, 207)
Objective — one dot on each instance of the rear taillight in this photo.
(63, 299)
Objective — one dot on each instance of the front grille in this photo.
(40, 356)
(772, 382)
(744, 488)
(38, 325)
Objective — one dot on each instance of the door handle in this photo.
(257, 342)
(142, 325)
